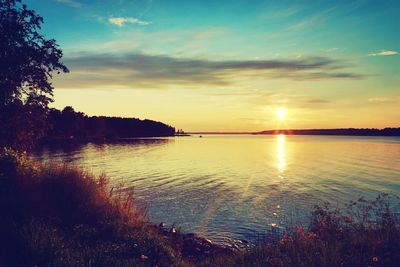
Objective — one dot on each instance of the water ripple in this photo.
(233, 188)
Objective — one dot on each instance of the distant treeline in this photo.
(69, 124)
(347, 131)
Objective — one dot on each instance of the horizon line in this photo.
(277, 130)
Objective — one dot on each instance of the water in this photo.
(235, 187)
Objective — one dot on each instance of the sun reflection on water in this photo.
(281, 155)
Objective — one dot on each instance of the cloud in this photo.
(157, 71)
(330, 50)
(273, 13)
(319, 75)
(384, 100)
(384, 53)
(316, 101)
(71, 3)
(312, 21)
(122, 21)
(245, 93)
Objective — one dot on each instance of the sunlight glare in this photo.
(281, 152)
(281, 113)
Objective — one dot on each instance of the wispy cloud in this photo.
(155, 71)
(384, 100)
(268, 97)
(310, 22)
(246, 92)
(316, 101)
(384, 53)
(330, 50)
(121, 21)
(71, 3)
(273, 13)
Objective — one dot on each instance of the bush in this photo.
(364, 233)
(58, 216)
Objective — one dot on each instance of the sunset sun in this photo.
(281, 113)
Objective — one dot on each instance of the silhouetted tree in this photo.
(27, 63)
(69, 124)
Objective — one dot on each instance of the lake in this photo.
(236, 187)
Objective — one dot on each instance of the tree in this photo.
(27, 59)
(27, 64)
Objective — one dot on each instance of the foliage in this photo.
(365, 233)
(27, 63)
(69, 124)
(27, 58)
(21, 125)
(58, 216)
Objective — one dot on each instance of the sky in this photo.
(229, 65)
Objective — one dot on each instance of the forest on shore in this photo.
(69, 124)
(341, 131)
(25, 126)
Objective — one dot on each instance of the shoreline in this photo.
(323, 132)
(58, 215)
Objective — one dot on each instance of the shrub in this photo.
(364, 233)
(59, 216)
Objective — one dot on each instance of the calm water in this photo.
(230, 187)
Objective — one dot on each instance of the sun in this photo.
(281, 113)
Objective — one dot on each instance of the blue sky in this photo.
(227, 65)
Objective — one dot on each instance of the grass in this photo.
(365, 233)
(60, 216)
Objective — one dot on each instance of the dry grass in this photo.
(364, 233)
(59, 216)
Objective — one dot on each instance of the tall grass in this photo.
(363, 233)
(58, 216)
(61, 216)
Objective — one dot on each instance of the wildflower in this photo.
(299, 229)
(312, 235)
(375, 259)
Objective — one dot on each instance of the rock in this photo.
(207, 241)
(144, 258)
(244, 241)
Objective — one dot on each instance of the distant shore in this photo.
(339, 132)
